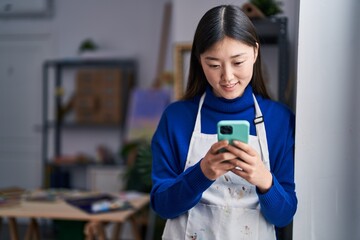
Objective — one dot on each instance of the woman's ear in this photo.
(256, 51)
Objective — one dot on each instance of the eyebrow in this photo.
(234, 56)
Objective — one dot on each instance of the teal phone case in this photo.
(239, 130)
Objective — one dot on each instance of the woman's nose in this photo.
(227, 73)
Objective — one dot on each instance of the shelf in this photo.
(54, 128)
(271, 30)
(74, 125)
(91, 63)
(81, 165)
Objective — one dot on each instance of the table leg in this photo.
(135, 228)
(116, 231)
(33, 231)
(89, 236)
(36, 231)
(29, 232)
(100, 231)
(89, 230)
(95, 229)
(13, 229)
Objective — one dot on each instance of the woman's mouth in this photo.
(229, 85)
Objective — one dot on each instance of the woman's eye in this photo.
(214, 66)
(238, 63)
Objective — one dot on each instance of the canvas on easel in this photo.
(145, 110)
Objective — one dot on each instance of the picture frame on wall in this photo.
(26, 9)
(182, 53)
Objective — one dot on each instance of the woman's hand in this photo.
(215, 163)
(250, 167)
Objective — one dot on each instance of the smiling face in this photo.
(228, 67)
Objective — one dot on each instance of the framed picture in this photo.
(25, 9)
(181, 68)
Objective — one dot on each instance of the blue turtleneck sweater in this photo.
(175, 191)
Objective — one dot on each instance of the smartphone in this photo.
(233, 130)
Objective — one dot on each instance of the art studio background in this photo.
(140, 38)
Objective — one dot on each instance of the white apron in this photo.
(229, 209)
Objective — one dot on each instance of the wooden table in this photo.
(60, 210)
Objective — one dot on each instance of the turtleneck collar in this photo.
(221, 104)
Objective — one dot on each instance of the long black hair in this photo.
(217, 23)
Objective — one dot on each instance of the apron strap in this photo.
(260, 131)
(197, 127)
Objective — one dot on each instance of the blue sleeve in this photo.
(279, 204)
(174, 190)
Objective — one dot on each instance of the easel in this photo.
(165, 30)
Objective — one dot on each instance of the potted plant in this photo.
(267, 7)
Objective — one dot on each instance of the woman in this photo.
(247, 191)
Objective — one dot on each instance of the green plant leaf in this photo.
(138, 176)
(268, 7)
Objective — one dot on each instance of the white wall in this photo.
(127, 28)
(327, 132)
